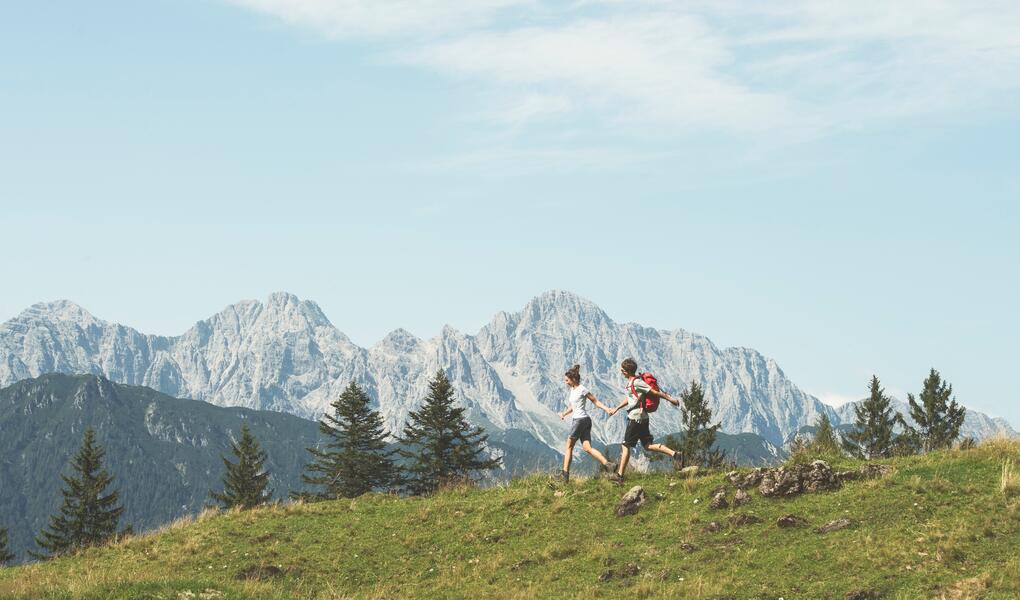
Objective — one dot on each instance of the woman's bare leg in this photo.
(568, 456)
(594, 453)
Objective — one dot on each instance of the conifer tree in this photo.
(824, 441)
(872, 436)
(246, 482)
(6, 555)
(440, 444)
(698, 435)
(88, 516)
(937, 416)
(355, 460)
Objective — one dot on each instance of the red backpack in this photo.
(651, 403)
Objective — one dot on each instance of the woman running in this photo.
(580, 429)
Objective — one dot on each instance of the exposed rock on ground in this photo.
(712, 527)
(689, 472)
(631, 502)
(743, 520)
(869, 471)
(719, 501)
(787, 521)
(741, 498)
(797, 479)
(631, 570)
(743, 481)
(834, 526)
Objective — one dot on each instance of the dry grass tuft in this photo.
(1010, 482)
(1001, 446)
(967, 589)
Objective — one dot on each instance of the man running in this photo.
(637, 418)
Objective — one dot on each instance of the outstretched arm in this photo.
(598, 404)
(665, 397)
(623, 404)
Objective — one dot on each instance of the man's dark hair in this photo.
(629, 366)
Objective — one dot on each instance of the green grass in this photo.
(939, 526)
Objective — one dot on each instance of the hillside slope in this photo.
(938, 526)
(164, 452)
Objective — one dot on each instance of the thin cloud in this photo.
(795, 70)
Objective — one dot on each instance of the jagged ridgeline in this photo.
(163, 452)
(285, 355)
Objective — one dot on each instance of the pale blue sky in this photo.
(835, 186)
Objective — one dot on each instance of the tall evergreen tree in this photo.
(88, 516)
(872, 436)
(936, 413)
(6, 555)
(355, 460)
(246, 482)
(441, 445)
(825, 441)
(698, 435)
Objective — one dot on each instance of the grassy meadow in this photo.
(942, 525)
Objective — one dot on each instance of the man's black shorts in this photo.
(637, 431)
(581, 429)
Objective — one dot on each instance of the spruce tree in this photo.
(872, 436)
(355, 460)
(246, 482)
(825, 441)
(6, 555)
(937, 416)
(698, 435)
(88, 516)
(441, 446)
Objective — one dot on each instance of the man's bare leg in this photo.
(624, 459)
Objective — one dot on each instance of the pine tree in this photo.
(824, 441)
(442, 447)
(355, 460)
(6, 555)
(87, 517)
(872, 436)
(698, 435)
(937, 416)
(246, 482)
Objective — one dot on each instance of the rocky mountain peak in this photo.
(401, 340)
(283, 354)
(57, 311)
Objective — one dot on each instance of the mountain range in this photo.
(285, 355)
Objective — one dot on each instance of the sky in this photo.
(833, 184)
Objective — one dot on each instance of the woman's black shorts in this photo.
(581, 429)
